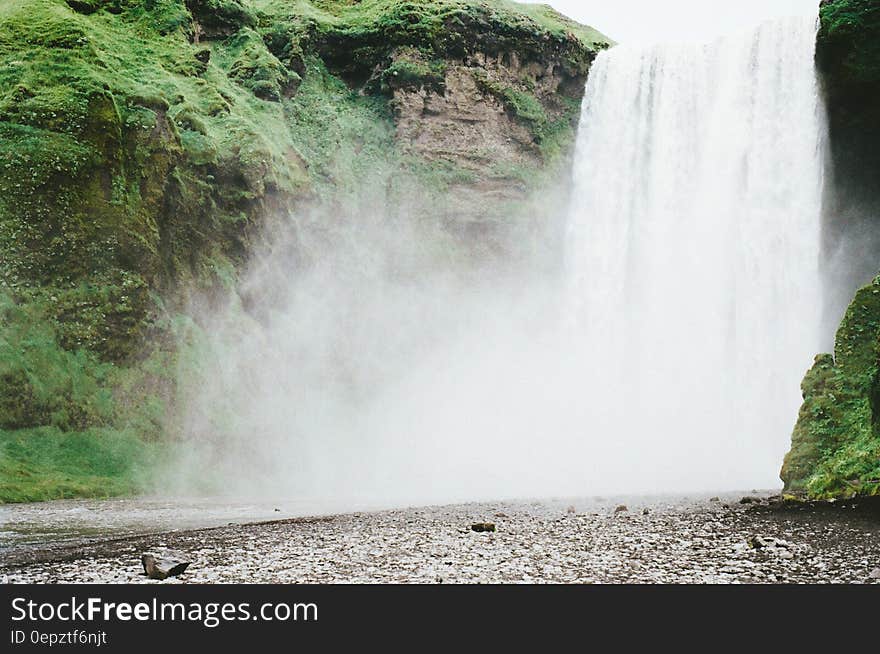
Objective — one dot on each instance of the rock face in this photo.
(147, 149)
(836, 441)
(848, 59)
(493, 118)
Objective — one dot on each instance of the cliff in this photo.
(836, 441)
(147, 148)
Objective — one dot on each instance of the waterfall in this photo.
(693, 248)
(669, 358)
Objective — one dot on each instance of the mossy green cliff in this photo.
(848, 58)
(836, 442)
(147, 146)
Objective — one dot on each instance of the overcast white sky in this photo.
(629, 21)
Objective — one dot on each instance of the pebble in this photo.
(677, 542)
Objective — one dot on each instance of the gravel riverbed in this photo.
(652, 540)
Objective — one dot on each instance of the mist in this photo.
(382, 376)
(374, 354)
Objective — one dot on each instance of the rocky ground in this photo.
(707, 540)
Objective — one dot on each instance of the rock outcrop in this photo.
(848, 60)
(836, 441)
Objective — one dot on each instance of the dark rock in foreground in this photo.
(162, 568)
(483, 526)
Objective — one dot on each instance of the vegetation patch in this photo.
(47, 463)
(410, 71)
(354, 38)
(836, 441)
(552, 135)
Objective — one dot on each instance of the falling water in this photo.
(694, 247)
(379, 373)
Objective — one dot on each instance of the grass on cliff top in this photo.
(557, 24)
(429, 16)
(371, 13)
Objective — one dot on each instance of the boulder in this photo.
(483, 526)
(771, 545)
(162, 567)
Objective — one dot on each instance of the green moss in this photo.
(347, 138)
(552, 135)
(43, 384)
(222, 17)
(353, 38)
(521, 104)
(255, 68)
(71, 425)
(411, 70)
(849, 38)
(47, 463)
(848, 57)
(439, 175)
(836, 441)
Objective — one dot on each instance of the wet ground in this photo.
(595, 540)
(23, 526)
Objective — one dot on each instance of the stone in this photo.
(621, 508)
(875, 574)
(571, 509)
(768, 543)
(483, 526)
(645, 511)
(162, 568)
(714, 499)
